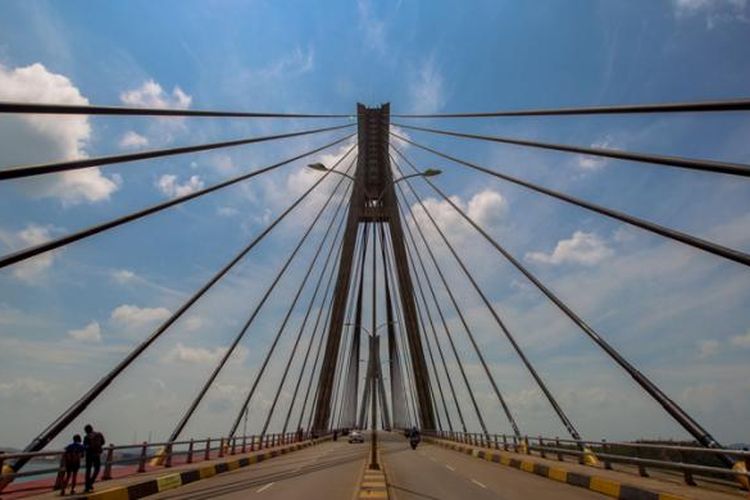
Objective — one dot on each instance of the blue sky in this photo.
(678, 314)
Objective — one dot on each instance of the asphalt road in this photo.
(327, 471)
(433, 473)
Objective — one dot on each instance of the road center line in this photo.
(264, 488)
(450, 468)
(478, 483)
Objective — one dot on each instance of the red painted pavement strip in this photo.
(44, 485)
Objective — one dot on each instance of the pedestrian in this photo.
(93, 444)
(72, 462)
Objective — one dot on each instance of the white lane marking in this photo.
(264, 488)
(450, 468)
(478, 483)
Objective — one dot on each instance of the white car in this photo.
(356, 437)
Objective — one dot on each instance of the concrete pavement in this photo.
(435, 473)
(328, 471)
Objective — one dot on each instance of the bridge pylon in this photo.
(373, 199)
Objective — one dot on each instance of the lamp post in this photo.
(374, 373)
(429, 172)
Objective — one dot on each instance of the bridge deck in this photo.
(432, 472)
(128, 478)
(660, 481)
(332, 470)
(328, 471)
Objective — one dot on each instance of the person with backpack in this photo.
(71, 462)
(93, 444)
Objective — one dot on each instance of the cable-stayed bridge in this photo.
(375, 246)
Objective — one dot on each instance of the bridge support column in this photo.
(373, 199)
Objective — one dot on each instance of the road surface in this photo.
(434, 473)
(330, 470)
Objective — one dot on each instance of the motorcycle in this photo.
(414, 441)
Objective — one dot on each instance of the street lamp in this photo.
(430, 172)
(322, 168)
(373, 372)
(376, 328)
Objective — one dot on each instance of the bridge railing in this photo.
(690, 461)
(145, 455)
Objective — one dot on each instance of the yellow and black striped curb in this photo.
(373, 483)
(599, 484)
(175, 480)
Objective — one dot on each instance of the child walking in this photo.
(72, 462)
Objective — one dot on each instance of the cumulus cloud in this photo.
(488, 208)
(741, 340)
(151, 95)
(193, 355)
(581, 248)
(707, 348)
(131, 316)
(593, 163)
(169, 185)
(426, 90)
(223, 163)
(89, 333)
(30, 271)
(715, 11)
(26, 388)
(227, 211)
(193, 323)
(278, 192)
(200, 355)
(133, 140)
(123, 276)
(26, 139)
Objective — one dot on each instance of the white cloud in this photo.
(193, 323)
(26, 139)
(169, 186)
(193, 355)
(227, 211)
(26, 388)
(201, 355)
(123, 276)
(741, 340)
(426, 92)
(30, 271)
(277, 192)
(131, 316)
(133, 140)
(374, 29)
(487, 208)
(296, 63)
(152, 95)
(715, 11)
(707, 348)
(89, 333)
(581, 248)
(223, 163)
(593, 163)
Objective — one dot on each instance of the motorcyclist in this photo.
(414, 438)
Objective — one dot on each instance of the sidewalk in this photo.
(127, 484)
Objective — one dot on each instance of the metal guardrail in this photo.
(614, 452)
(156, 454)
